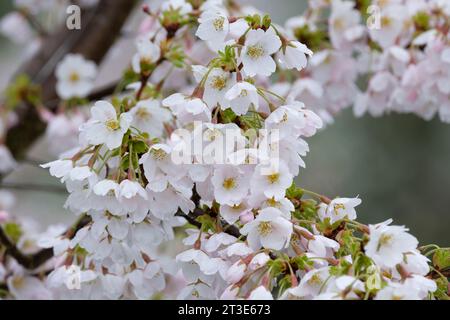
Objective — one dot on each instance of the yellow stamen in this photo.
(272, 178)
(158, 154)
(255, 51)
(264, 228)
(143, 113)
(229, 183)
(219, 83)
(74, 77)
(218, 23)
(112, 124)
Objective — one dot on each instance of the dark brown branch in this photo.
(28, 261)
(100, 27)
(33, 261)
(192, 219)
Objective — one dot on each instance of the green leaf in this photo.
(13, 231)
(349, 244)
(276, 267)
(177, 56)
(20, 90)
(228, 116)
(252, 120)
(314, 40)
(422, 21)
(208, 223)
(302, 262)
(285, 282)
(308, 210)
(341, 269)
(441, 259)
(140, 147)
(125, 163)
(294, 192)
(442, 289)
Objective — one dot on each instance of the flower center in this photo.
(385, 240)
(74, 77)
(338, 206)
(195, 293)
(243, 93)
(229, 183)
(218, 23)
(386, 21)
(212, 134)
(273, 178)
(264, 228)
(158, 154)
(112, 124)
(315, 280)
(338, 24)
(18, 282)
(255, 51)
(143, 113)
(272, 203)
(219, 83)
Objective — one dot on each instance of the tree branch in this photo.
(33, 261)
(100, 27)
(192, 219)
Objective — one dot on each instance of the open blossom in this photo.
(257, 51)
(147, 54)
(105, 127)
(414, 288)
(75, 76)
(230, 185)
(214, 27)
(271, 180)
(293, 55)
(250, 232)
(260, 293)
(181, 6)
(217, 85)
(339, 208)
(14, 26)
(344, 24)
(159, 169)
(148, 116)
(187, 109)
(392, 25)
(241, 96)
(344, 287)
(388, 244)
(270, 230)
(233, 213)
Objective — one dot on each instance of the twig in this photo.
(192, 219)
(33, 261)
(101, 26)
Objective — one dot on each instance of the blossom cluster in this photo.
(375, 56)
(203, 71)
(16, 281)
(255, 234)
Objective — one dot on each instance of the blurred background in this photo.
(399, 165)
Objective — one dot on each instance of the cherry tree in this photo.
(182, 175)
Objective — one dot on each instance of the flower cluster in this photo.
(16, 281)
(377, 56)
(209, 151)
(137, 176)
